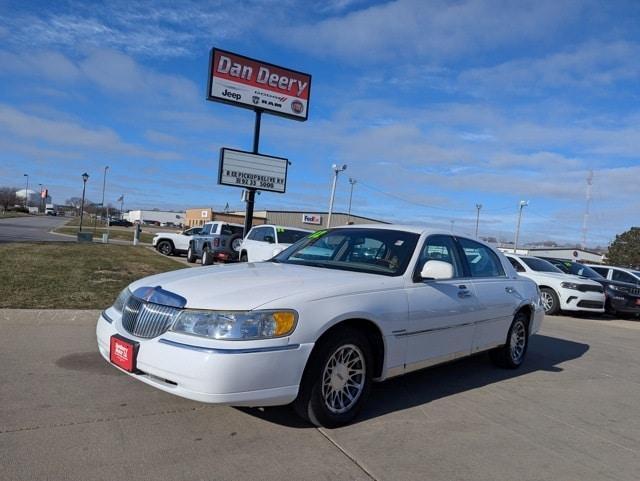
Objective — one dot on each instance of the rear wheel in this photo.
(235, 242)
(165, 247)
(337, 379)
(512, 354)
(191, 257)
(207, 256)
(550, 301)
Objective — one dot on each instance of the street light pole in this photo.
(40, 207)
(352, 182)
(522, 205)
(336, 171)
(26, 192)
(478, 207)
(85, 177)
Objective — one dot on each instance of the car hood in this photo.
(247, 286)
(561, 276)
(167, 233)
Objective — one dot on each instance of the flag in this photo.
(120, 199)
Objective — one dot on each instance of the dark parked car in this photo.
(621, 297)
(120, 223)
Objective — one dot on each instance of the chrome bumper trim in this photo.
(213, 350)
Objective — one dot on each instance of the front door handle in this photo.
(509, 289)
(463, 291)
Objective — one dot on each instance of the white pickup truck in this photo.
(265, 241)
(172, 243)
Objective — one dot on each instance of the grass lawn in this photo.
(72, 276)
(9, 214)
(114, 233)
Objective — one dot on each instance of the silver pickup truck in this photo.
(217, 241)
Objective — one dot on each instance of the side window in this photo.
(603, 271)
(483, 262)
(622, 276)
(260, 233)
(440, 248)
(516, 264)
(206, 229)
(236, 230)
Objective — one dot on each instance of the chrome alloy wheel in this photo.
(343, 378)
(518, 341)
(547, 301)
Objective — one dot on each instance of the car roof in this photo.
(415, 229)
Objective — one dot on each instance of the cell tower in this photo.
(585, 219)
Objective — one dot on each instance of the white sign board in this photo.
(252, 171)
(311, 219)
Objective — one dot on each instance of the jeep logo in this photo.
(232, 95)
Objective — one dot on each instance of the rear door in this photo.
(498, 295)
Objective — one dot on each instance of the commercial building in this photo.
(564, 253)
(162, 217)
(313, 220)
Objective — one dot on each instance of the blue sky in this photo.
(434, 105)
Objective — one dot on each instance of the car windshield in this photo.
(376, 251)
(636, 273)
(582, 270)
(539, 265)
(290, 236)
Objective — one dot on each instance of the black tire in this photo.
(315, 402)
(512, 354)
(165, 247)
(243, 257)
(207, 256)
(234, 244)
(191, 257)
(550, 301)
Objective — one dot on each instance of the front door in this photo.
(441, 312)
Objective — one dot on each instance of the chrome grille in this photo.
(634, 291)
(145, 319)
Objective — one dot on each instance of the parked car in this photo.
(621, 274)
(559, 291)
(621, 297)
(265, 241)
(217, 241)
(120, 223)
(315, 325)
(173, 243)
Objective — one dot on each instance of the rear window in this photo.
(290, 236)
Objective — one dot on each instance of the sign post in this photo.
(262, 87)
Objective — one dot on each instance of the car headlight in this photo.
(618, 288)
(236, 326)
(122, 299)
(569, 285)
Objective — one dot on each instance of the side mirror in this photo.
(436, 270)
(269, 239)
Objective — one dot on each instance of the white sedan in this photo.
(322, 320)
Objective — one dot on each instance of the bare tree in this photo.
(8, 197)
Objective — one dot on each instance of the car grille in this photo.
(591, 304)
(145, 319)
(633, 291)
(590, 288)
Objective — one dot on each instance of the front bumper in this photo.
(623, 303)
(180, 365)
(574, 300)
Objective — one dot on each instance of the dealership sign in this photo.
(253, 84)
(252, 171)
(311, 219)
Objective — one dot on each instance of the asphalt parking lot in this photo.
(32, 228)
(571, 413)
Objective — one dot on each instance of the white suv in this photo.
(265, 241)
(172, 243)
(560, 291)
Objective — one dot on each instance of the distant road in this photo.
(30, 229)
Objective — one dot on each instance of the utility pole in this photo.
(26, 192)
(40, 206)
(522, 205)
(336, 171)
(478, 207)
(585, 219)
(352, 182)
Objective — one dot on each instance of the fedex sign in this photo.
(257, 85)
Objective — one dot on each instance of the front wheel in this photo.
(337, 380)
(165, 248)
(550, 301)
(512, 354)
(207, 256)
(191, 257)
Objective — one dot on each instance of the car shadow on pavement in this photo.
(421, 387)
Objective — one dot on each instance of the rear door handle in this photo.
(463, 291)
(509, 289)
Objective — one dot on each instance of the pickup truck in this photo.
(265, 241)
(172, 243)
(217, 241)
